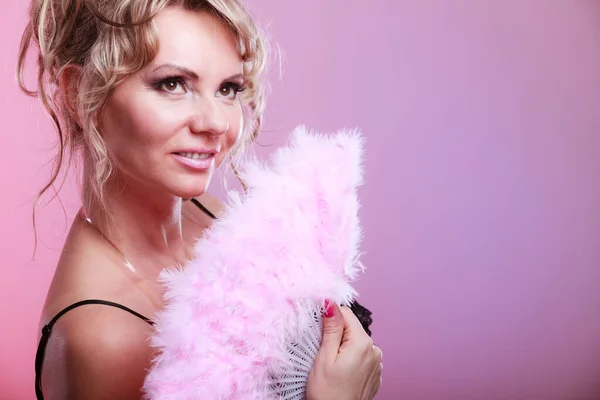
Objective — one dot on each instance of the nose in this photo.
(207, 118)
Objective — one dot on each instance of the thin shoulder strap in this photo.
(47, 330)
(201, 206)
(94, 301)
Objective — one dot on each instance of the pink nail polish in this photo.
(329, 309)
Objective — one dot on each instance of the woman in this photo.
(154, 95)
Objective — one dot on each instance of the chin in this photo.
(191, 189)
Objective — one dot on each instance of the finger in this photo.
(353, 329)
(375, 382)
(378, 353)
(375, 385)
(334, 326)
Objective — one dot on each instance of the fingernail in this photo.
(329, 309)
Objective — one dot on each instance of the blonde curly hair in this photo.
(108, 40)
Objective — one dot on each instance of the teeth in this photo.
(196, 156)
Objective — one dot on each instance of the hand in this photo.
(348, 365)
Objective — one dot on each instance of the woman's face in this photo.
(170, 125)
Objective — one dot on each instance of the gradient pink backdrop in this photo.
(482, 201)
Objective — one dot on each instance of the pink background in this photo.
(482, 201)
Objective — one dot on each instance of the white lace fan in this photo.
(291, 384)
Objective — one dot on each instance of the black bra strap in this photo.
(201, 206)
(47, 330)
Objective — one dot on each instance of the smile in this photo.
(195, 161)
(195, 156)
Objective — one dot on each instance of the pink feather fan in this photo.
(243, 318)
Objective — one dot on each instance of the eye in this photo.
(173, 85)
(230, 90)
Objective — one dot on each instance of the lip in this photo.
(199, 164)
(198, 150)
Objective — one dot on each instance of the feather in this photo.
(242, 318)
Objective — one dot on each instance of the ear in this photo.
(68, 83)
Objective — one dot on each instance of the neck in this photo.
(145, 228)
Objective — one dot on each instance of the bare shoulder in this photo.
(105, 353)
(95, 351)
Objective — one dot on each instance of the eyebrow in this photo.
(192, 74)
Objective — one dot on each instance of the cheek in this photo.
(134, 125)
